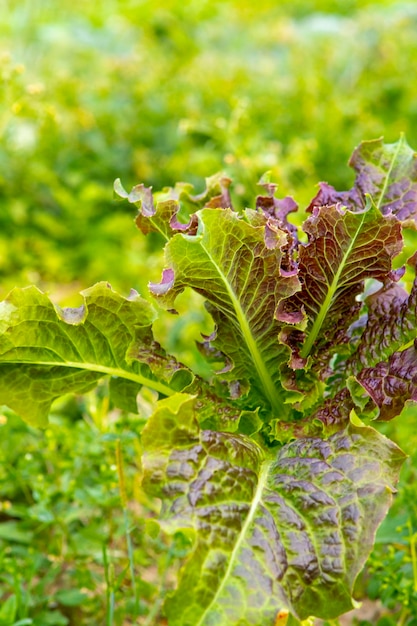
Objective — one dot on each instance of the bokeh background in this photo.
(159, 93)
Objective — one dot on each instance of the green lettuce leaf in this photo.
(274, 531)
(46, 351)
(387, 172)
(235, 262)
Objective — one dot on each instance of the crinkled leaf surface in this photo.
(387, 172)
(46, 351)
(343, 249)
(329, 416)
(216, 412)
(385, 360)
(283, 531)
(391, 383)
(391, 325)
(236, 265)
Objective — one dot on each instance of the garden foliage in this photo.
(270, 465)
(175, 92)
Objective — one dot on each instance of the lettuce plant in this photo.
(271, 466)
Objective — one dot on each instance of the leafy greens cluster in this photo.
(269, 465)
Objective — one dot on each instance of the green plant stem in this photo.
(405, 614)
(110, 604)
(154, 612)
(123, 499)
(413, 553)
(131, 561)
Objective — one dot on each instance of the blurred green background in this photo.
(159, 93)
(176, 91)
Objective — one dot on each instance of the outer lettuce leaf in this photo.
(387, 172)
(235, 263)
(385, 360)
(161, 218)
(390, 384)
(46, 352)
(343, 249)
(287, 532)
(391, 324)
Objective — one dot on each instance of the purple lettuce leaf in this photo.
(387, 172)
(391, 324)
(344, 248)
(279, 531)
(384, 362)
(392, 383)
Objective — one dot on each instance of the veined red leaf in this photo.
(387, 172)
(343, 249)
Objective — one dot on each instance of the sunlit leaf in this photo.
(387, 172)
(46, 352)
(287, 530)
